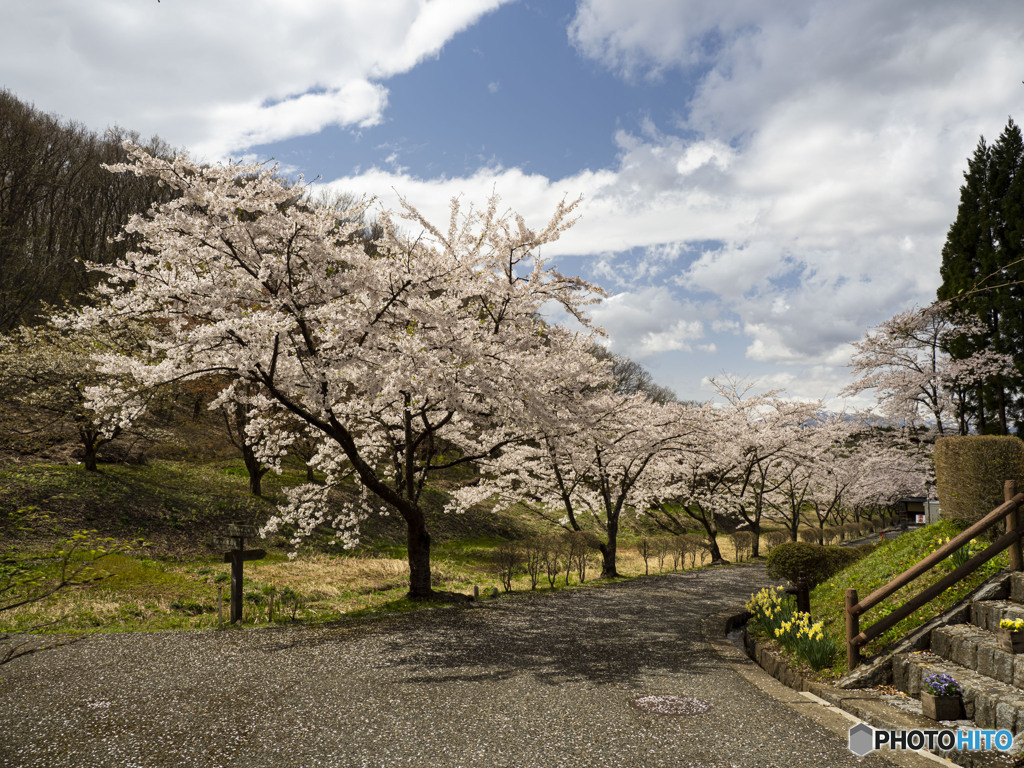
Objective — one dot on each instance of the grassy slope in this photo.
(877, 569)
(179, 506)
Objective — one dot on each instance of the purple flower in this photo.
(942, 685)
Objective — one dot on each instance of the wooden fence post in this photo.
(238, 554)
(852, 630)
(1012, 523)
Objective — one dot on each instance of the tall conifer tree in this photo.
(983, 270)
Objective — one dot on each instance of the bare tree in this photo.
(507, 559)
(59, 208)
(645, 549)
(533, 559)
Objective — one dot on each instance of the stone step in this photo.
(988, 613)
(978, 649)
(1017, 587)
(988, 702)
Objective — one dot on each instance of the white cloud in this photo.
(644, 202)
(821, 161)
(221, 76)
(768, 344)
(736, 268)
(645, 37)
(846, 128)
(816, 382)
(648, 322)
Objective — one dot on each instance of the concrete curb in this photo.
(833, 708)
(867, 706)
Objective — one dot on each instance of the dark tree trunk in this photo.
(255, 469)
(91, 442)
(89, 460)
(716, 553)
(982, 421)
(755, 550)
(1004, 428)
(253, 466)
(418, 541)
(609, 569)
(713, 550)
(707, 522)
(608, 566)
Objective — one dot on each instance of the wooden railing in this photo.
(857, 638)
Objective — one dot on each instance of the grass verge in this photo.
(878, 568)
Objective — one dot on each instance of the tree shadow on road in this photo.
(611, 635)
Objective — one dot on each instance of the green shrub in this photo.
(817, 562)
(970, 471)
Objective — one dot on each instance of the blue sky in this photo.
(511, 91)
(761, 182)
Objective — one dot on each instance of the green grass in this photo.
(174, 503)
(878, 568)
(142, 592)
(178, 506)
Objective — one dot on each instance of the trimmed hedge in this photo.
(817, 562)
(970, 471)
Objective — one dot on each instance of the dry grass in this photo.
(329, 577)
(142, 594)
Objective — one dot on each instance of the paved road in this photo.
(529, 681)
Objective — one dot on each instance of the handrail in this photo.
(855, 638)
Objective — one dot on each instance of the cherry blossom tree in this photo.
(694, 480)
(907, 360)
(792, 496)
(44, 376)
(591, 472)
(846, 464)
(765, 433)
(812, 472)
(404, 359)
(890, 467)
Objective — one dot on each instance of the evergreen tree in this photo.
(983, 272)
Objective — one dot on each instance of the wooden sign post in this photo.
(238, 554)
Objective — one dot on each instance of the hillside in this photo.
(167, 508)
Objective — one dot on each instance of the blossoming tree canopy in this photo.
(384, 355)
(587, 473)
(909, 361)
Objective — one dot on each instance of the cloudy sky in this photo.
(761, 181)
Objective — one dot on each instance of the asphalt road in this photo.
(541, 680)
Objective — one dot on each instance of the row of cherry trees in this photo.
(420, 354)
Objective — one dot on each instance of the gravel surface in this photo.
(544, 680)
